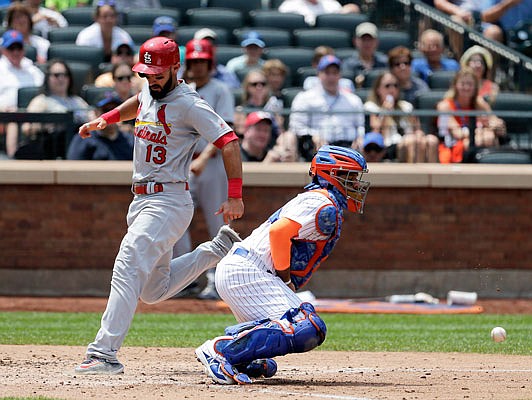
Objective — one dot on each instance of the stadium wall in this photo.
(426, 227)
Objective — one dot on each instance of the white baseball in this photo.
(498, 334)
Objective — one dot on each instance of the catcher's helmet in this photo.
(199, 49)
(342, 168)
(156, 55)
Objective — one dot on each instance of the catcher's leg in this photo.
(227, 358)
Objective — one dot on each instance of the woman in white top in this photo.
(104, 32)
(58, 97)
(19, 17)
(403, 137)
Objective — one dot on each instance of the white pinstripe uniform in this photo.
(166, 132)
(245, 278)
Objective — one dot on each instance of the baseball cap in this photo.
(198, 49)
(328, 60)
(367, 28)
(11, 37)
(205, 33)
(110, 98)
(373, 138)
(255, 117)
(253, 37)
(164, 23)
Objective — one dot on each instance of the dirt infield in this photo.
(169, 373)
(174, 373)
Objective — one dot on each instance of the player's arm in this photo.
(233, 208)
(124, 112)
(281, 233)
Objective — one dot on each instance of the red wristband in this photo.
(111, 117)
(234, 188)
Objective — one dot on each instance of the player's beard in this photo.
(164, 91)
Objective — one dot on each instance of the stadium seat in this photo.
(441, 79)
(345, 22)
(314, 37)
(388, 39)
(82, 74)
(273, 37)
(186, 33)
(72, 52)
(371, 76)
(225, 52)
(30, 52)
(93, 94)
(293, 57)
(68, 34)
(363, 94)
(146, 16)
(211, 16)
(302, 74)
(25, 94)
(289, 94)
(276, 19)
(428, 101)
(503, 156)
(83, 16)
(139, 33)
(245, 6)
(519, 129)
(182, 5)
(345, 52)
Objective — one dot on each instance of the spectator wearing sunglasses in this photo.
(403, 137)
(17, 71)
(399, 62)
(123, 54)
(57, 97)
(104, 32)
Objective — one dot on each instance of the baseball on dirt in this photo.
(498, 334)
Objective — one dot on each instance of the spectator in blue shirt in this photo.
(107, 144)
(431, 45)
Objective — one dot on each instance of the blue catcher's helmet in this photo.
(342, 168)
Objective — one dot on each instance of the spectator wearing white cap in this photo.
(253, 48)
(219, 71)
(325, 114)
(366, 41)
(310, 9)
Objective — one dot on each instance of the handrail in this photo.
(524, 62)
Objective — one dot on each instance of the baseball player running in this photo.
(259, 276)
(170, 119)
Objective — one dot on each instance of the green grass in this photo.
(351, 332)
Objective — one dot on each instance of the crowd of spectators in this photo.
(341, 101)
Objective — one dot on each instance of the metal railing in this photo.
(407, 14)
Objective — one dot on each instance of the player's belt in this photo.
(150, 187)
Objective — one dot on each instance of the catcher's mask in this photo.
(342, 168)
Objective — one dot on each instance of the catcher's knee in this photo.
(297, 331)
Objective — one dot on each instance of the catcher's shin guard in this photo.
(297, 331)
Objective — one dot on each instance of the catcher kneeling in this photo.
(259, 276)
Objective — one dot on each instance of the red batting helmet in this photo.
(199, 49)
(156, 55)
